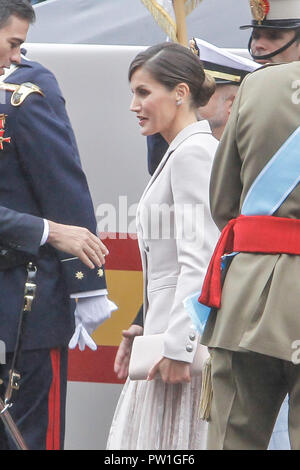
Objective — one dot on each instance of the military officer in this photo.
(253, 328)
(42, 184)
(275, 34)
(275, 38)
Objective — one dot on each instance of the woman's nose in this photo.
(134, 105)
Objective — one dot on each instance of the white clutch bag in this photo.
(148, 349)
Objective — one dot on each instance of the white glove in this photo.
(90, 312)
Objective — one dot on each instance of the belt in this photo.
(249, 234)
(10, 258)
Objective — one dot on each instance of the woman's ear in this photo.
(182, 91)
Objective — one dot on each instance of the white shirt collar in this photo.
(8, 72)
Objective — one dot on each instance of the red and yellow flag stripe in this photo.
(124, 280)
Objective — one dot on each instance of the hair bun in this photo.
(170, 64)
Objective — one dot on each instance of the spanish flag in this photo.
(124, 279)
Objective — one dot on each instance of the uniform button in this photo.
(192, 336)
(189, 348)
(147, 249)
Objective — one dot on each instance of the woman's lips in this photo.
(142, 120)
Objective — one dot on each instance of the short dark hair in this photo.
(20, 8)
(170, 64)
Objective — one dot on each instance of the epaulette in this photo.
(20, 92)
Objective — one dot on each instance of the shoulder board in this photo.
(20, 92)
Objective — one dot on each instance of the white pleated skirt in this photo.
(157, 416)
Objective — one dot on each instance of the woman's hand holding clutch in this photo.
(171, 371)
(123, 355)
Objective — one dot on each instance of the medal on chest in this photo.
(2, 131)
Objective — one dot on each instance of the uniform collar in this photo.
(8, 72)
(24, 63)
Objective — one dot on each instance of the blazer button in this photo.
(192, 336)
(189, 348)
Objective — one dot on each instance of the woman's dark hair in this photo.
(170, 64)
(20, 8)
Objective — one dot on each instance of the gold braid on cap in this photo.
(213, 73)
(194, 48)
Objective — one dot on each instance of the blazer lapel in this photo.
(195, 128)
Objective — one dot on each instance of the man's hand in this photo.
(123, 355)
(77, 241)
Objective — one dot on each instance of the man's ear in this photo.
(229, 103)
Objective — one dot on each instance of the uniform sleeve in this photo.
(156, 148)
(139, 319)
(20, 231)
(46, 155)
(46, 80)
(54, 175)
(225, 184)
(196, 236)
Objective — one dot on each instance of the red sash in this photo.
(249, 234)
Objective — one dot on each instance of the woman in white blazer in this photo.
(176, 238)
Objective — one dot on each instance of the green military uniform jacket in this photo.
(260, 305)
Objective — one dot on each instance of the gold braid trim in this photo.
(190, 5)
(20, 92)
(164, 20)
(224, 76)
(206, 391)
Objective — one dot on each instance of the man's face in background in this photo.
(266, 41)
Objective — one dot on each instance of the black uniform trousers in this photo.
(40, 413)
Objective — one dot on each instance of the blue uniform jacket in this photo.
(156, 147)
(41, 175)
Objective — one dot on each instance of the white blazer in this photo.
(175, 243)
